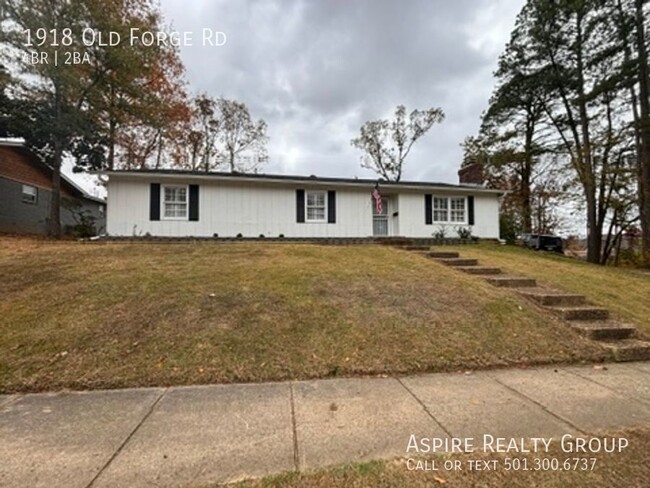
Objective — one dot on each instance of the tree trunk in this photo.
(161, 142)
(55, 203)
(112, 125)
(594, 230)
(526, 171)
(644, 155)
(111, 145)
(526, 213)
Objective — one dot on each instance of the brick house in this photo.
(26, 194)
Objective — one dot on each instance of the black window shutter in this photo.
(470, 210)
(428, 210)
(194, 203)
(154, 202)
(331, 207)
(300, 206)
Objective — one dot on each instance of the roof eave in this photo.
(287, 179)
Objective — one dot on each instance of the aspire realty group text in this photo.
(491, 444)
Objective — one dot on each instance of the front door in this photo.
(380, 219)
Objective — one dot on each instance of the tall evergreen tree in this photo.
(566, 56)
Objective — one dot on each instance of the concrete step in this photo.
(602, 330)
(416, 248)
(443, 254)
(581, 312)
(458, 261)
(479, 270)
(511, 281)
(552, 297)
(628, 349)
(393, 241)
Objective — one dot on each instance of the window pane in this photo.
(316, 209)
(440, 203)
(175, 202)
(175, 210)
(316, 199)
(440, 206)
(440, 215)
(29, 194)
(457, 209)
(175, 194)
(457, 216)
(315, 213)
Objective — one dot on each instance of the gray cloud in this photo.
(316, 70)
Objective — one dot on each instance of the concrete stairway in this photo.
(590, 321)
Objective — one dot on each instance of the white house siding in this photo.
(412, 221)
(228, 209)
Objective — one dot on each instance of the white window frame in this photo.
(448, 210)
(439, 210)
(27, 196)
(452, 210)
(163, 202)
(307, 206)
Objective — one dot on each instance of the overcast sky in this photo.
(317, 70)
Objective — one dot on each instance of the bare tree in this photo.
(244, 140)
(644, 128)
(207, 130)
(387, 143)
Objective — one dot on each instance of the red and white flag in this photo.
(377, 196)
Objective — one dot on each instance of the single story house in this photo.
(175, 203)
(26, 195)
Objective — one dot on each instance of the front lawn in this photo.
(102, 315)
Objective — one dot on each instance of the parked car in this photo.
(542, 242)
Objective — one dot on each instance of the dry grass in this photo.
(629, 468)
(625, 292)
(135, 314)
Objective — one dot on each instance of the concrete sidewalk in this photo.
(206, 434)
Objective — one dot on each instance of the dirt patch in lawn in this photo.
(142, 314)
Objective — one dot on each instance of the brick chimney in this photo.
(471, 172)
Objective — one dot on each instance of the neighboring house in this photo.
(192, 203)
(26, 194)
